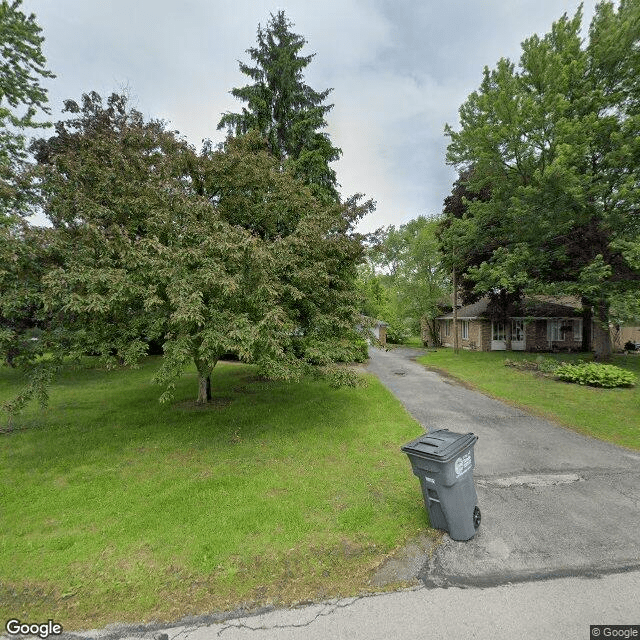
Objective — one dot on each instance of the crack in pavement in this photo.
(187, 627)
(431, 579)
(321, 614)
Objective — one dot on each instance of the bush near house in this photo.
(541, 364)
(596, 375)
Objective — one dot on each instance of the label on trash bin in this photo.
(463, 464)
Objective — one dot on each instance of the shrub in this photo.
(360, 351)
(545, 365)
(630, 346)
(596, 375)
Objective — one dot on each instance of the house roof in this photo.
(376, 322)
(469, 312)
(528, 308)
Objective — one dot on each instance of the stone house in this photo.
(534, 325)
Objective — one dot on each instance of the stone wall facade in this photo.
(536, 336)
(478, 335)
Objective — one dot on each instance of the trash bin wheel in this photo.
(477, 517)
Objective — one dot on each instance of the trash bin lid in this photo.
(441, 445)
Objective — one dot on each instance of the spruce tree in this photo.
(287, 112)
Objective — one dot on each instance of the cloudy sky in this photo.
(399, 70)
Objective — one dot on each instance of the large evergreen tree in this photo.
(288, 113)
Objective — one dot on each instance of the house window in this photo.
(465, 329)
(554, 332)
(498, 332)
(577, 329)
(447, 328)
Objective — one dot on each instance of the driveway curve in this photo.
(554, 503)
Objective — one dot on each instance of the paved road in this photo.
(558, 548)
(559, 609)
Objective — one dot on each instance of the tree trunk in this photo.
(602, 339)
(204, 380)
(434, 332)
(204, 389)
(587, 319)
(455, 313)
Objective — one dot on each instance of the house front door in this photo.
(518, 341)
(498, 336)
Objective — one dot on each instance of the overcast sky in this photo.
(399, 70)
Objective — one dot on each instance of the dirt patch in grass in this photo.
(296, 577)
(16, 599)
(221, 402)
(403, 564)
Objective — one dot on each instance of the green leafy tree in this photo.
(388, 246)
(141, 251)
(556, 141)
(467, 241)
(457, 234)
(374, 296)
(22, 69)
(314, 239)
(423, 282)
(288, 113)
(407, 264)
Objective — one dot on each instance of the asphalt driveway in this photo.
(554, 503)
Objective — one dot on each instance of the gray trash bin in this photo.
(444, 463)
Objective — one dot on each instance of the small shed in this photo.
(378, 329)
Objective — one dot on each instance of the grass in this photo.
(415, 342)
(608, 414)
(116, 508)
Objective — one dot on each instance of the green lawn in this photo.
(607, 414)
(116, 508)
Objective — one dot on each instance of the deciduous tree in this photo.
(557, 141)
(151, 241)
(22, 96)
(22, 69)
(410, 271)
